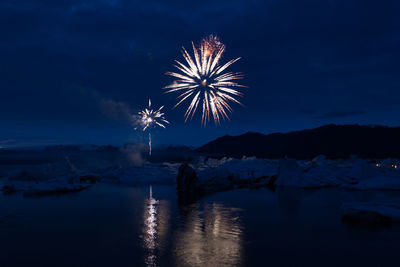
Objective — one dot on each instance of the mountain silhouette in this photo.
(333, 141)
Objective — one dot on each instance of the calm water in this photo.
(124, 226)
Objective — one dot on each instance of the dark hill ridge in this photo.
(334, 141)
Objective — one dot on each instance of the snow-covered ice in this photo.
(320, 172)
(376, 183)
(146, 174)
(245, 168)
(64, 175)
(59, 185)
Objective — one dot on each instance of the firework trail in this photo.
(149, 118)
(203, 81)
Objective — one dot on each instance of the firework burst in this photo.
(204, 81)
(149, 118)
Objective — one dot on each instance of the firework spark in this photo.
(151, 118)
(204, 81)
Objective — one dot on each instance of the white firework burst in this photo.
(149, 118)
(204, 82)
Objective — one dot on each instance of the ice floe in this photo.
(65, 184)
(376, 183)
(358, 174)
(146, 174)
(372, 212)
(224, 174)
(245, 168)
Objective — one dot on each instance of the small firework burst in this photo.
(204, 81)
(149, 118)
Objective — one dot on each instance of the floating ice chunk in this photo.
(319, 160)
(147, 174)
(59, 185)
(376, 183)
(361, 169)
(291, 174)
(371, 211)
(314, 174)
(246, 168)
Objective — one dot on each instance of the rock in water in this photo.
(187, 181)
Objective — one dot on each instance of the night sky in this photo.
(72, 71)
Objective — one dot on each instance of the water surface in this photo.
(111, 225)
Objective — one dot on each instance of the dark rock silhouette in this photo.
(187, 182)
(334, 141)
(188, 187)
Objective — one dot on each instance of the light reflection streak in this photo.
(155, 229)
(212, 237)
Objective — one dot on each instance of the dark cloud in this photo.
(115, 110)
(340, 114)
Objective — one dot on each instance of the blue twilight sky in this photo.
(71, 71)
